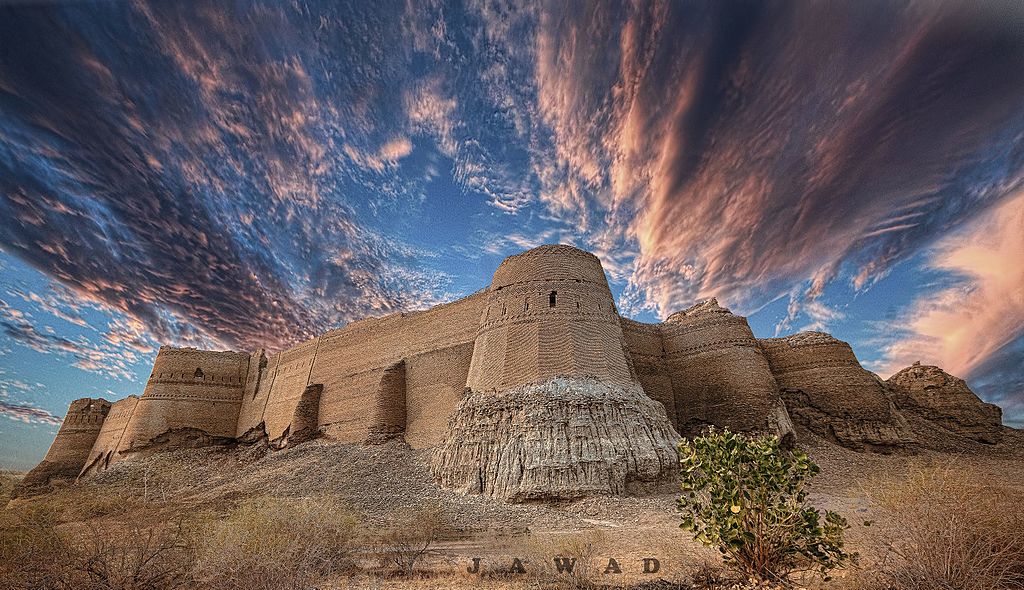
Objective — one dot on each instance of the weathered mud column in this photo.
(552, 409)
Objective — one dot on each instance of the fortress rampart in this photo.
(719, 374)
(104, 449)
(74, 441)
(828, 391)
(188, 389)
(521, 388)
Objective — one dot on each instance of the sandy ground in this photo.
(376, 481)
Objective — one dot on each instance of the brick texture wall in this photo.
(104, 450)
(189, 388)
(549, 313)
(434, 383)
(719, 374)
(74, 441)
(826, 369)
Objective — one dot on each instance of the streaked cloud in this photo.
(963, 326)
(28, 414)
(250, 174)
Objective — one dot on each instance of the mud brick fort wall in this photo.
(189, 389)
(109, 440)
(74, 441)
(547, 316)
(547, 313)
(827, 390)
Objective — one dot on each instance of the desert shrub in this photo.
(134, 558)
(33, 555)
(410, 536)
(747, 498)
(274, 544)
(951, 528)
(37, 552)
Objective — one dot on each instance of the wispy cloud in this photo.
(965, 325)
(28, 414)
(245, 174)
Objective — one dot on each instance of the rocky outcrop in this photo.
(943, 399)
(560, 439)
(828, 392)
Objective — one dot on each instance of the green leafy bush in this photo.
(746, 496)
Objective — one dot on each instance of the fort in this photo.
(532, 388)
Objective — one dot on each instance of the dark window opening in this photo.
(551, 298)
(199, 373)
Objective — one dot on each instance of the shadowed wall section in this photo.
(255, 392)
(434, 382)
(359, 365)
(646, 351)
(306, 419)
(289, 380)
(104, 450)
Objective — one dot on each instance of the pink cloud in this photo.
(960, 327)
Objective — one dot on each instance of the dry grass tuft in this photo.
(274, 544)
(952, 529)
(410, 537)
(8, 481)
(40, 552)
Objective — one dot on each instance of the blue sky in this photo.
(245, 174)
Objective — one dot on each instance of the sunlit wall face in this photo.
(243, 175)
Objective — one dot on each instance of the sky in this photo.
(234, 175)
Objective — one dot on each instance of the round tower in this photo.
(188, 390)
(549, 313)
(719, 375)
(827, 390)
(552, 409)
(70, 449)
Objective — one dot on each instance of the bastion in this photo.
(533, 388)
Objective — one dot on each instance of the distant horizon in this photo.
(228, 176)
